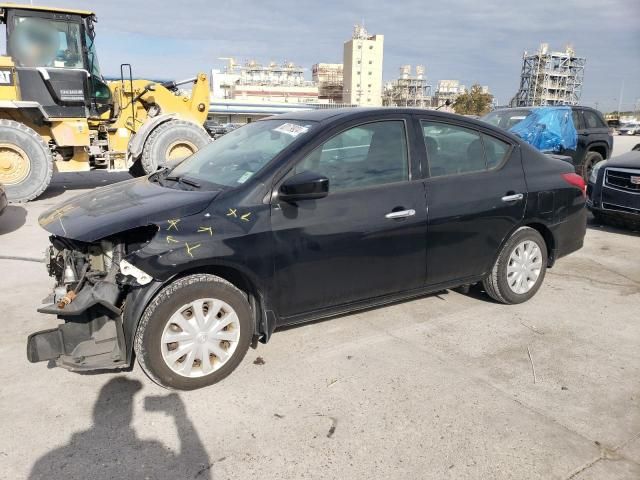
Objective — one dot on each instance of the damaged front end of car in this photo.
(92, 283)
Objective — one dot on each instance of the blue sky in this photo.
(470, 40)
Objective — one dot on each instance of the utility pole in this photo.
(620, 98)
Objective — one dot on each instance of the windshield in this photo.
(506, 118)
(235, 157)
(38, 42)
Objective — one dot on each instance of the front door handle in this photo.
(401, 214)
(513, 198)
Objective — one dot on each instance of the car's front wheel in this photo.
(194, 333)
(520, 268)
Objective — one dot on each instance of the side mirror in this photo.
(304, 186)
(150, 87)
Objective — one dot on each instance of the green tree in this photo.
(473, 102)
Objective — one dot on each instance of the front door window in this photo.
(363, 156)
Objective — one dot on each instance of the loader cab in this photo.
(55, 60)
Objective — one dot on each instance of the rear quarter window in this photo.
(592, 120)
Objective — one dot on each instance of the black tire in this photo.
(590, 159)
(599, 218)
(174, 134)
(148, 337)
(496, 284)
(136, 170)
(37, 155)
(636, 148)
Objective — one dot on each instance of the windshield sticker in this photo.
(291, 129)
(245, 176)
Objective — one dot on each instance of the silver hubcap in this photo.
(200, 337)
(524, 267)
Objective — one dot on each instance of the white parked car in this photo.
(630, 129)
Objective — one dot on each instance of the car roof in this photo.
(365, 113)
(345, 113)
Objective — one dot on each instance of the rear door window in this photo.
(453, 150)
(495, 151)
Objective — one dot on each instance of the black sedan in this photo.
(614, 190)
(295, 218)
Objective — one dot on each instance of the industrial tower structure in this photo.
(550, 78)
(408, 90)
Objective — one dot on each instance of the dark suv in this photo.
(594, 138)
(295, 218)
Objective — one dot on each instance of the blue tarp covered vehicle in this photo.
(549, 129)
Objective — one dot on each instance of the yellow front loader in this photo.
(57, 113)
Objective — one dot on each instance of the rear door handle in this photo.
(401, 214)
(513, 198)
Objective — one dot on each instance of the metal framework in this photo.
(407, 90)
(330, 81)
(550, 78)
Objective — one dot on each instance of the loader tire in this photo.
(170, 143)
(26, 165)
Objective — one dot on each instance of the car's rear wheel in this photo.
(590, 159)
(520, 268)
(194, 333)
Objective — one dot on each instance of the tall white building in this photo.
(363, 56)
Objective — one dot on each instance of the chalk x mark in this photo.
(173, 224)
(190, 249)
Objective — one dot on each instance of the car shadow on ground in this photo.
(111, 448)
(593, 224)
(13, 217)
(63, 182)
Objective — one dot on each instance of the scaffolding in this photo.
(408, 90)
(330, 81)
(550, 78)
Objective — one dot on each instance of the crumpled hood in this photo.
(119, 207)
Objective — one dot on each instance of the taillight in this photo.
(575, 180)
